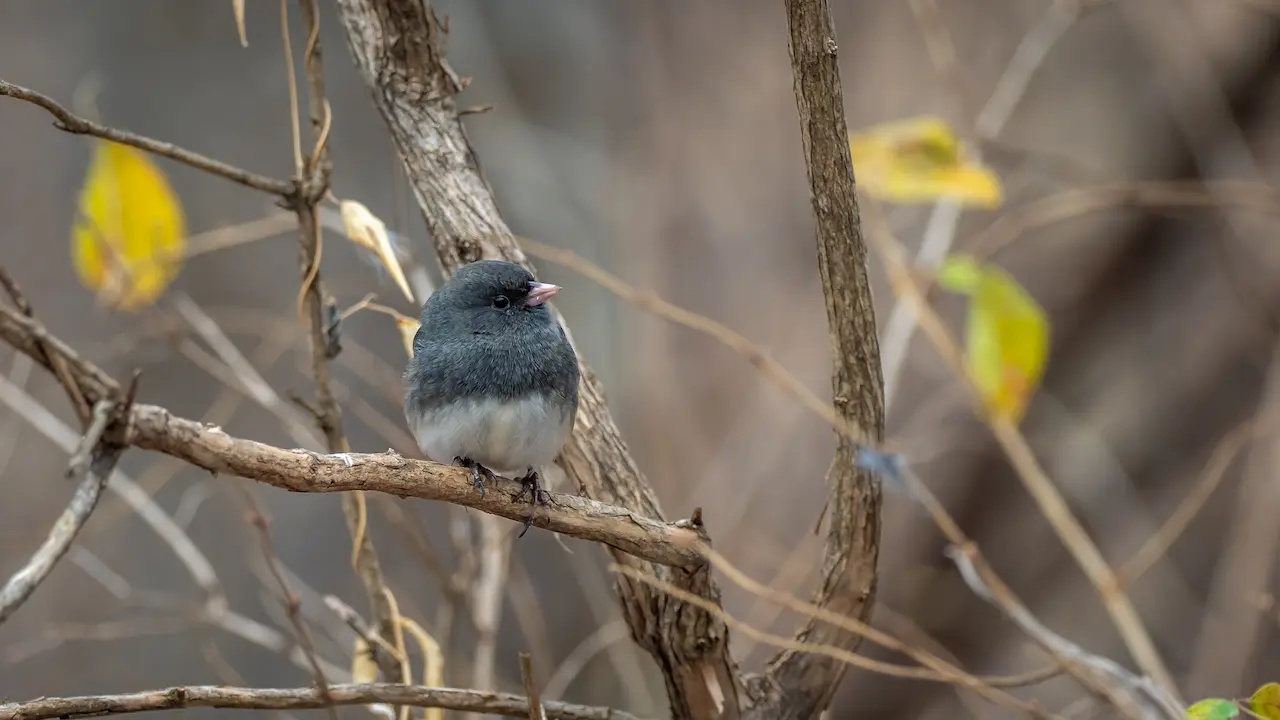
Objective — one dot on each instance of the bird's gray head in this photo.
(489, 297)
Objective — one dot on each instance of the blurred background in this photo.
(660, 141)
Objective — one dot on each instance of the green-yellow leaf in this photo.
(1265, 701)
(960, 274)
(920, 160)
(130, 235)
(1213, 709)
(1006, 334)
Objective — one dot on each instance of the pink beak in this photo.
(540, 293)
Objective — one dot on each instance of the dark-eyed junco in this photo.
(493, 381)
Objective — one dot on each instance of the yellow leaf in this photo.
(920, 160)
(1265, 701)
(237, 7)
(1006, 334)
(367, 231)
(128, 241)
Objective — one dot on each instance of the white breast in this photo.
(506, 437)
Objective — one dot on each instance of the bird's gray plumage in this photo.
(494, 385)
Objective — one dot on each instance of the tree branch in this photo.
(299, 470)
(93, 460)
(494, 703)
(313, 175)
(77, 125)
(801, 685)
(398, 47)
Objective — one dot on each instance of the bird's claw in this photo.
(530, 483)
(478, 473)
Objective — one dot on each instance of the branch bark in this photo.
(801, 685)
(95, 468)
(398, 47)
(503, 704)
(299, 470)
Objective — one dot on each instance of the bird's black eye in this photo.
(501, 302)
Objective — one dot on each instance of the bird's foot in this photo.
(531, 484)
(478, 472)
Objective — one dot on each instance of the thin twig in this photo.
(328, 411)
(1180, 519)
(1154, 701)
(290, 601)
(360, 627)
(650, 302)
(95, 474)
(53, 360)
(78, 465)
(247, 377)
(598, 641)
(536, 711)
(1244, 568)
(487, 594)
(1118, 696)
(80, 126)
(953, 673)
(11, 430)
(910, 631)
(1243, 194)
(192, 696)
(215, 609)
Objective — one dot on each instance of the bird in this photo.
(492, 385)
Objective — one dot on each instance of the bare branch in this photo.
(215, 609)
(1154, 701)
(492, 570)
(805, 682)
(536, 710)
(503, 704)
(398, 47)
(297, 470)
(314, 174)
(77, 125)
(291, 603)
(96, 472)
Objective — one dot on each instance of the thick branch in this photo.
(207, 447)
(805, 683)
(398, 48)
(79, 126)
(503, 704)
